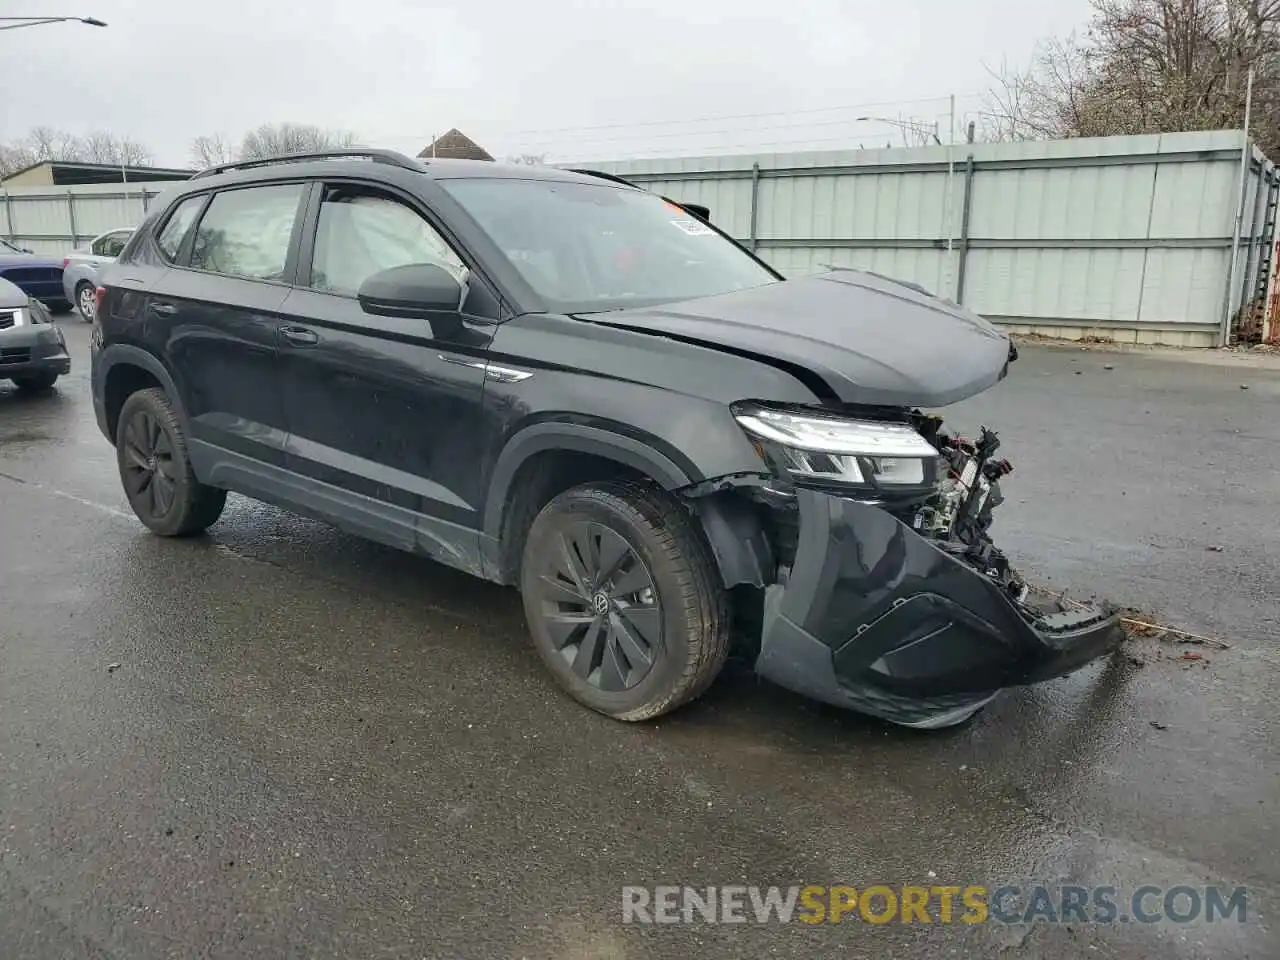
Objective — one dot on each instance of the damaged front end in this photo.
(891, 598)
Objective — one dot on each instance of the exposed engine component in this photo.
(958, 514)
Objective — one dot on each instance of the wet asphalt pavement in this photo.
(281, 741)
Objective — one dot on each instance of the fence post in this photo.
(1246, 151)
(71, 216)
(966, 206)
(1249, 276)
(755, 197)
(8, 214)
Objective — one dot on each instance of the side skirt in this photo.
(449, 543)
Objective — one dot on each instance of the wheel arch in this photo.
(123, 370)
(518, 489)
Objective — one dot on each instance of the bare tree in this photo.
(47, 143)
(1148, 66)
(12, 159)
(102, 147)
(528, 159)
(274, 139)
(212, 150)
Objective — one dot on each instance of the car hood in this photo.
(870, 339)
(11, 295)
(28, 260)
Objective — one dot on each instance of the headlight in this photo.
(838, 450)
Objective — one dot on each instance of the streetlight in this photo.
(17, 23)
(930, 129)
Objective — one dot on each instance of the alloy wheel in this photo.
(600, 606)
(88, 303)
(149, 471)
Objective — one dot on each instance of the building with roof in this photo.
(64, 173)
(454, 145)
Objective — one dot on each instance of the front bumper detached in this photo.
(876, 618)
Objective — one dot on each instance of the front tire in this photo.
(624, 600)
(86, 300)
(151, 453)
(35, 382)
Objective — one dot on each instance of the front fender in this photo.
(579, 438)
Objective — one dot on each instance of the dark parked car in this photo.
(571, 385)
(33, 351)
(39, 276)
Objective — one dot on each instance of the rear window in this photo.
(177, 226)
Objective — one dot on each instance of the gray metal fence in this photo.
(1126, 237)
(53, 220)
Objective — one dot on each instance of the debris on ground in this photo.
(1214, 548)
(112, 667)
(1159, 726)
(1137, 623)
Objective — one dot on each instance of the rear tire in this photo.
(35, 382)
(624, 600)
(151, 453)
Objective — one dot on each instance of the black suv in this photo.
(560, 381)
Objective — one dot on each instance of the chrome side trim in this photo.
(491, 371)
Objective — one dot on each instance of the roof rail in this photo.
(390, 157)
(607, 176)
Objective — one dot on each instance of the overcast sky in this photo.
(573, 79)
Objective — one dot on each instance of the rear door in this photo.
(387, 409)
(213, 316)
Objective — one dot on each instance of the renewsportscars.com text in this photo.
(878, 904)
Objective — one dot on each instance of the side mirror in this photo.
(416, 290)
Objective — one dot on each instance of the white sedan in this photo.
(80, 268)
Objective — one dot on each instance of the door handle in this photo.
(300, 335)
(164, 309)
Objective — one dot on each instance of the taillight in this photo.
(65, 261)
(99, 295)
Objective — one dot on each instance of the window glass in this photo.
(586, 247)
(362, 232)
(246, 232)
(175, 231)
(111, 244)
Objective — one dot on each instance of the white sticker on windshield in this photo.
(694, 228)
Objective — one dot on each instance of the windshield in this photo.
(586, 247)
